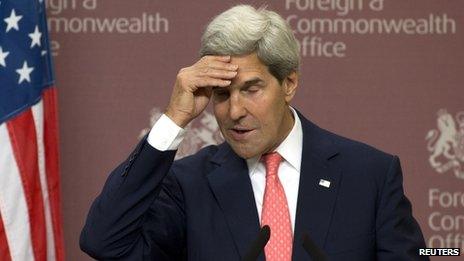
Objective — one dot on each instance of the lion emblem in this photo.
(447, 143)
(201, 132)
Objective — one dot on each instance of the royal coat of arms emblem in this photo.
(446, 144)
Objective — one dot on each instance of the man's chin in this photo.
(244, 151)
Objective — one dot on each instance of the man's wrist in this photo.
(176, 119)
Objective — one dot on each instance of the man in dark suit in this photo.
(276, 168)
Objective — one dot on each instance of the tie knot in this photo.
(272, 161)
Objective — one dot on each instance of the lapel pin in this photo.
(324, 183)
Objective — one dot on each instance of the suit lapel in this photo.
(231, 185)
(315, 202)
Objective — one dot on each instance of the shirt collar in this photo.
(290, 149)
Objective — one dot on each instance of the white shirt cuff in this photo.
(165, 134)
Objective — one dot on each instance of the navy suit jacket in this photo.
(202, 207)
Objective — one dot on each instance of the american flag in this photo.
(30, 214)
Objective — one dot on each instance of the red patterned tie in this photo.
(275, 213)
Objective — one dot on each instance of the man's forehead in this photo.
(250, 68)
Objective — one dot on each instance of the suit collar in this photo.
(317, 141)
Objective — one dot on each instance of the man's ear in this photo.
(289, 85)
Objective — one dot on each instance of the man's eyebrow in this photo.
(253, 81)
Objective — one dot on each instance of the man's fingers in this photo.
(222, 66)
(217, 62)
(216, 73)
(211, 82)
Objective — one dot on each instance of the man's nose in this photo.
(236, 109)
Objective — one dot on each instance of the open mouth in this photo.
(240, 133)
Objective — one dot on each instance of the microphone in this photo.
(313, 250)
(257, 246)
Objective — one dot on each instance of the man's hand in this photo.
(193, 87)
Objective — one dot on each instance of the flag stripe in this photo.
(4, 251)
(37, 112)
(13, 206)
(51, 139)
(23, 140)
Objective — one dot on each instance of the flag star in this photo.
(35, 36)
(24, 73)
(12, 21)
(43, 52)
(3, 55)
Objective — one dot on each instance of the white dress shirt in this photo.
(166, 135)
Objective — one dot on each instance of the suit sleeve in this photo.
(398, 234)
(139, 214)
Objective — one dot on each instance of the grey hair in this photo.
(243, 29)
